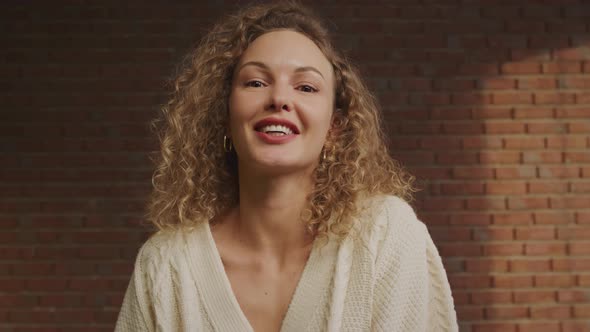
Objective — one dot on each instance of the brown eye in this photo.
(255, 84)
(307, 88)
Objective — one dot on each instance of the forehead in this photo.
(285, 49)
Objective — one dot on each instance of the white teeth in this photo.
(276, 129)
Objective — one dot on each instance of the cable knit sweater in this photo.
(389, 277)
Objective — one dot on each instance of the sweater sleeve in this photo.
(441, 309)
(411, 292)
(135, 314)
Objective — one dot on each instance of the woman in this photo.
(277, 205)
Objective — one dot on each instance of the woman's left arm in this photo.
(441, 309)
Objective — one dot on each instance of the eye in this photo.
(307, 88)
(255, 84)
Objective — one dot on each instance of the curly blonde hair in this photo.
(196, 180)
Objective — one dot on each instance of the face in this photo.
(281, 103)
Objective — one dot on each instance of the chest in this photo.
(264, 296)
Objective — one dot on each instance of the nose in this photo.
(280, 99)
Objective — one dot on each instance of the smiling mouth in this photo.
(275, 130)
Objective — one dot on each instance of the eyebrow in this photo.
(265, 67)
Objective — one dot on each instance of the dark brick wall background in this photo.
(486, 102)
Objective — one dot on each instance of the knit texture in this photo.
(386, 276)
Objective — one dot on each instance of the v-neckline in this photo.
(220, 301)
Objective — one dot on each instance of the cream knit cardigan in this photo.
(387, 278)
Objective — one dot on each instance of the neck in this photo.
(268, 217)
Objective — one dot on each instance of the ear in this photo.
(336, 123)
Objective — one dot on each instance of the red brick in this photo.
(537, 83)
(447, 234)
(534, 296)
(554, 218)
(573, 296)
(570, 141)
(501, 157)
(563, 67)
(493, 297)
(535, 233)
(551, 312)
(492, 113)
(440, 203)
(486, 265)
(480, 219)
(493, 234)
(470, 281)
(463, 128)
(519, 172)
(560, 172)
(479, 69)
(500, 83)
(568, 54)
(575, 326)
(583, 98)
(530, 265)
(473, 173)
(574, 113)
(539, 327)
(502, 249)
(450, 114)
(513, 218)
(482, 142)
(533, 113)
(577, 157)
(469, 313)
(569, 202)
(485, 203)
(573, 233)
(575, 83)
(524, 143)
(506, 312)
(548, 187)
(512, 281)
(512, 98)
(554, 98)
(525, 203)
(554, 280)
(545, 249)
(456, 84)
(471, 98)
(542, 157)
(505, 188)
(579, 248)
(457, 158)
(521, 68)
(461, 298)
(582, 311)
(494, 327)
(432, 172)
(459, 250)
(492, 128)
(571, 264)
(583, 217)
(547, 128)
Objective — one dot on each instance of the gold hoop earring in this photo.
(227, 144)
(323, 154)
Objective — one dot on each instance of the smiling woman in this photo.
(277, 205)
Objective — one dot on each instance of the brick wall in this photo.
(487, 102)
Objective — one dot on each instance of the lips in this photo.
(276, 123)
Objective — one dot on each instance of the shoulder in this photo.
(393, 231)
(391, 215)
(160, 251)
